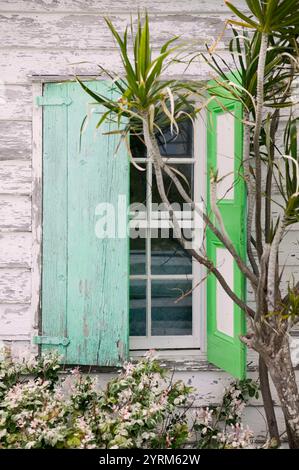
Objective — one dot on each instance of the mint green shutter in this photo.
(85, 279)
(225, 320)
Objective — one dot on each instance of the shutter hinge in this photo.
(54, 340)
(47, 101)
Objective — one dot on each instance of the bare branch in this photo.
(226, 241)
(215, 208)
(250, 193)
(260, 297)
(256, 141)
(155, 156)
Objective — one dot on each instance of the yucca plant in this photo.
(140, 93)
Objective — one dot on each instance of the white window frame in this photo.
(197, 340)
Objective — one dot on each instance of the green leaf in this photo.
(103, 118)
(255, 7)
(246, 19)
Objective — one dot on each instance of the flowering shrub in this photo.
(139, 408)
(221, 426)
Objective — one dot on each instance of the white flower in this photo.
(30, 444)
(155, 408)
(128, 368)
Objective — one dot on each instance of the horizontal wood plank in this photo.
(289, 248)
(18, 65)
(117, 6)
(89, 31)
(15, 140)
(16, 102)
(14, 320)
(15, 213)
(15, 285)
(15, 177)
(290, 275)
(15, 249)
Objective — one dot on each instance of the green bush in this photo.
(140, 408)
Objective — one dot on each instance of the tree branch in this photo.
(250, 192)
(256, 141)
(260, 296)
(226, 241)
(155, 156)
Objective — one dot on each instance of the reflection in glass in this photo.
(171, 316)
(137, 185)
(172, 193)
(137, 256)
(137, 308)
(177, 145)
(137, 146)
(168, 256)
(137, 234)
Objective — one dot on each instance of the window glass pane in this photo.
(137, 185)
(137, 232)
(168, 257)
(177, 145)
(138, 148)
(170, 316)
(171, 191)
(138, 308)
(137, 256)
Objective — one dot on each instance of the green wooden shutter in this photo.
(225, 321)
(85, 280)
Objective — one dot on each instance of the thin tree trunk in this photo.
(284, 379)
(250, 192)
(267, 401)
(256, 141)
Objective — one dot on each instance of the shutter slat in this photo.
(54, 230)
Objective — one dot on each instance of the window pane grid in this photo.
(177, 285)
(180, 160)
(178, 277)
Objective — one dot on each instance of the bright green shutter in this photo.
(84, 278)
(225, 320)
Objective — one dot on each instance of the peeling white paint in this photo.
(294, 346)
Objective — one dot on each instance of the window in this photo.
(85, 310)
(163, 277)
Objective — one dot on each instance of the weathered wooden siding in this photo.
(101, 7)
(64, 37)
(57, 30)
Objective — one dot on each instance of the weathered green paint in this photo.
(52, 101)
(85, 279)
(51, 340)
(225, 351)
